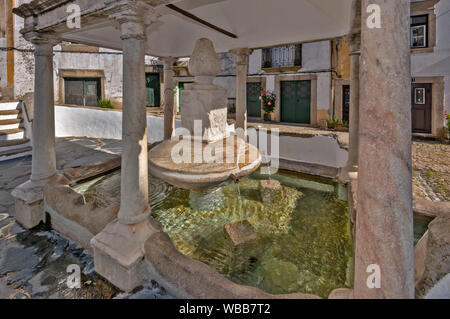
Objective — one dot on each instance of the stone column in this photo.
(44, 156)
(30, 194)
(169, 99)
(384, 220)
(134, 187)
(117, 249)
(352, 164)
(241, 87)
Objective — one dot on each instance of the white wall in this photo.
(321, 150)
(74, 121)
(438, 62)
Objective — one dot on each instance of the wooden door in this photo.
(296, 101)
(91, 92)
(421, 107)
(253, 99)
(82, 91)
(74, 91)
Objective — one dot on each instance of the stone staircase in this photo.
(13, 140)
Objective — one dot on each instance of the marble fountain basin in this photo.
(291, 238)
(287, 236)
(200, 166)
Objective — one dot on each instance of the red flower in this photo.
(269, 104)
(445, 113)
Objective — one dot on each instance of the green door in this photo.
(253, 99)
(296, 102)
(153, 89)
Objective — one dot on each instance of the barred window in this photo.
(283, 56)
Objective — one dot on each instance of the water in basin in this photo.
(300, 243)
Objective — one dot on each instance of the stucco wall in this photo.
(74, 121)
(321, 150)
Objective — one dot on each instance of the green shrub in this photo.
(106, 104)
(334, 122)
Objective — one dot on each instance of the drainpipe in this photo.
(10, 46)
(332, 76)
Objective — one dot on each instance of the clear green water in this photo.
(303, 244)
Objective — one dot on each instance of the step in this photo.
(13, 134)
(14, 144)
(10, 124)
(9, 106)
(16, 153)
(9, 114)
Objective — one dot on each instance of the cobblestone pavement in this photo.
(431, 170)
(33, 264)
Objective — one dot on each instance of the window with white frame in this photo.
(419, 31)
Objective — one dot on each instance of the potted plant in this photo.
(336, 124)
(268, 98)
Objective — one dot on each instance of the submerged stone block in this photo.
(271, 191)
(241, 232)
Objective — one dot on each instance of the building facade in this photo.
(430, 68)
(83, 74)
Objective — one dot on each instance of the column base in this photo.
(347, 173)
(29, 215)
(119, 254)
(29, 200)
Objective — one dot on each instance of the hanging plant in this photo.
(269, 99)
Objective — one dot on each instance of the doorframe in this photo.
(437, 104)
(338, 96)
(78, 73)
(297, 77)
(263, 81)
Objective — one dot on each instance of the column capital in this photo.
(41, 38)
(241, 54)
(132, 17)
(354, 41)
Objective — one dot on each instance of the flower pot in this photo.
(267, 117)
(341, 128)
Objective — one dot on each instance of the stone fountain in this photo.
(205, 155)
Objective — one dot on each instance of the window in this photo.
(284, 56)
(82, 91)
(419, 96)
(419, 29)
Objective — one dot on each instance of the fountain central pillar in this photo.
(118, 253)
